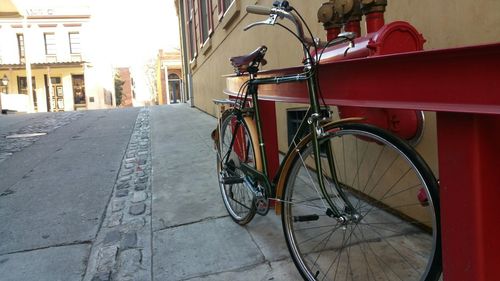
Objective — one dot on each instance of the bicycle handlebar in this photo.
(259, 10)
(276, 12)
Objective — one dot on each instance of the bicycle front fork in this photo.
(338, 205)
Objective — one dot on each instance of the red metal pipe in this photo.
(353, 26)
(395, 37)
(332, 33)
(374, 21)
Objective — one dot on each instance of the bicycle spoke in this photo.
(383, 235)
(235, 148)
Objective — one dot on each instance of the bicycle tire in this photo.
(238, 199)
(395, 237)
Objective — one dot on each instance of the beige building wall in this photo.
(450, 23)
(444, 24)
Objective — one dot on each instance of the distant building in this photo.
(170, 86)
(127, 97)
(50, 45)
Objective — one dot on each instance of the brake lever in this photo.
(270, 21)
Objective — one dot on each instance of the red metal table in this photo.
(463, 86)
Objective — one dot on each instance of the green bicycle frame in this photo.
(310, 122)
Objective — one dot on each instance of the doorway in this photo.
(57, 101)
(79, 98)
(174, 88)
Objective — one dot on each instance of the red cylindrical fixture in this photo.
(395, 37)
(374, 21)
(353, 26)
(332, 33)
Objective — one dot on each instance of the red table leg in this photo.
(469, 168)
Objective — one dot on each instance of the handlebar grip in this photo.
(259, 10)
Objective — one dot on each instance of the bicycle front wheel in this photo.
(236, 148)
(384, 222)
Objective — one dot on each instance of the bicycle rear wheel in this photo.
(236, 148)
(389, 230)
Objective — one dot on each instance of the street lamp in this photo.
(5, 80)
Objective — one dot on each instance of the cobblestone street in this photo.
(16, 139)
(55, 187)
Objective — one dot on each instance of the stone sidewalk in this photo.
(193, 236)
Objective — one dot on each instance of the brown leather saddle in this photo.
(245, 63)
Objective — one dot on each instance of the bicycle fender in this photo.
(252, 128)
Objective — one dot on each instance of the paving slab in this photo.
(185, 186)
(267, 233)
(51, 264)
(202, 249)
(275, 271)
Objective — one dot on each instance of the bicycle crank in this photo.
(262, 205)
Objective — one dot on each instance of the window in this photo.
(294, 118)
(224, 5)
(74, 43)
(50, 44)
(205, 16)
(22, 85)
(190, 25)
(228, 12)
(20, 45)
(55, 80)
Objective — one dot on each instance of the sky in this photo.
(123, 32)
(132, 31)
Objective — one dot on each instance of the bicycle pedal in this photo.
(305, 218)
(232, 180)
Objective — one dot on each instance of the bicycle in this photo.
(356, 202)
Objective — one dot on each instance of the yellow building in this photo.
(169, 82)
(43, 61)
(213, 31)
